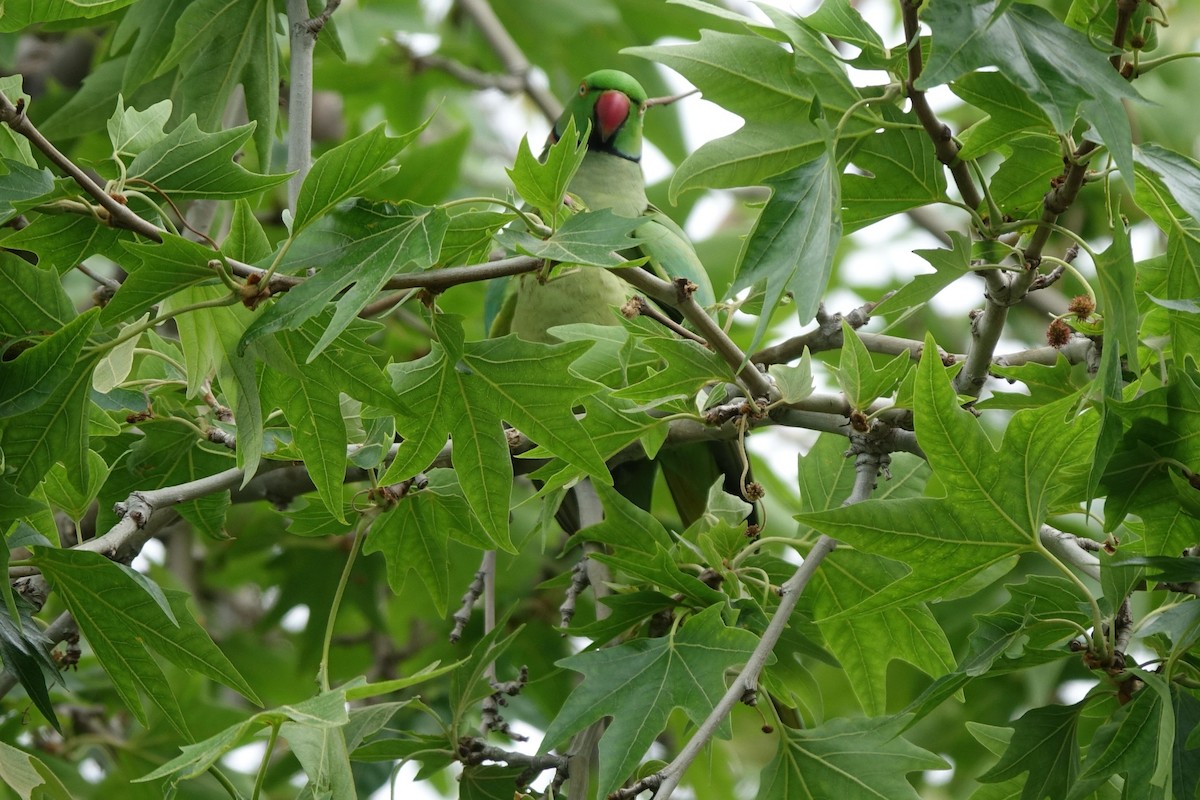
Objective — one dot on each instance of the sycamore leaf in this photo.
(324, 711)
(1160, 425)
(54, 431)
(156, 272)
(122, 622)
(587, 238)
(354, 256)
(543, 184)
(866, 644)
(26, 774)
(1059, 68)
(640, 683)
(1136, 742)
(308, 393)
(25, 651)
(62, 241)
(217, 45)
(21, 182)
(18, 14)
(413, 536)
(190, 164)
(1009, 112)
(794, 239)
(794, 381)
(995, 503)
(132, 131)
(29, 380)
(686, 367)
(896, 170)
(773, 90)
(348, 170)
(859, 758)
(31, 300)
(1043, 744)
(465, 390)
(949, 266)
(1046, 384)
(1180, 174)
(860, 381)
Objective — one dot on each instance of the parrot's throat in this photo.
(597, 144)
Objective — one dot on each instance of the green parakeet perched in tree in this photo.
(608, 107)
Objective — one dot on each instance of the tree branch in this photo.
(677, 295)
(943, 142)
(118, 215)
(510, 54)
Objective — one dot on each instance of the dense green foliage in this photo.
(256, 442)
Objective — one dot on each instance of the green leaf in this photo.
(543, 183)
(62, 241)
(896, 170)
(996, 500)
(132, 131)
(219, 44)
(1009, 112)
(21, 183)
(1180, 174)
(588, 238)
(685, 368)
(31, 300)
(1059, 68)
(26, 774)
(1135, 742)
(640, 683)
(25, 652)
(949, 266)
(324, 711)
(859, 758)
(62, 493)
(355, 255)
(413, 536)
(18, 14)
(121, 622)
(860, 381)
(1023, 179)
(1043, 744)
(791, 248)
(157, 272)
(348, 170)
(56, 430)
(773, 91)
(29, 380)
(190, 164)
(794, 381)
(465, 389)
(322, 752)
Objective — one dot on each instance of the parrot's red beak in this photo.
(612, 109)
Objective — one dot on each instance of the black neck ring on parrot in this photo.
(596, 144)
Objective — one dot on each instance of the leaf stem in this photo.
(323, 669)
(1097, 637)
(138, 328)
(261, 777)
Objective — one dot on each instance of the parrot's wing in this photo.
(671, 254)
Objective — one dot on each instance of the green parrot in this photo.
(610, 104)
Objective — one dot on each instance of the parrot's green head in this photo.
(611, 103)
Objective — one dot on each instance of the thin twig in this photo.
(677, 295)
(510, 54)
(118, 214)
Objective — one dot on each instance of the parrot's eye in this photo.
(582, 89)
